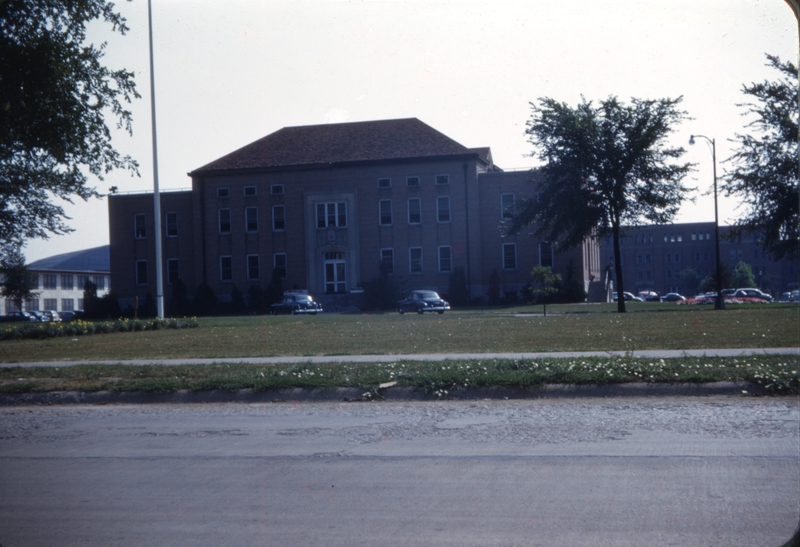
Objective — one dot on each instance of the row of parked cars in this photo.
(750, 294)
(45, 316)
(417, 301)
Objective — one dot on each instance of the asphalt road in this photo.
(677, 471)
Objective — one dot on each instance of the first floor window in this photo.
(415, 260)
(279, 263)
(252, 267)
(445, 259)
(443, 209)
(509, 256)
(80, 303)
(32, 304)
(67, 304)
(387, 260)
(385, 206)
(546, 254)
(51, 304)
(140, 231)
(225, 268)
(141, 273)
(251, 219)
(172, 270)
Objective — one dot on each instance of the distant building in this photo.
(325, 206)
(60, 280)
(663, 257)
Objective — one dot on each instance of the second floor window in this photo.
(414, 211)
(332, 215)
(139, 228)
(67, 282)
(172, 224)
(251, 219)
(507, 206)
(443, 209)
(385, 206)
(49, 281)
(224, 221)
(278, 218)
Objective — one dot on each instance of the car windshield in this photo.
(425, 295)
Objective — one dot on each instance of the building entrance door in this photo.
(335, 281)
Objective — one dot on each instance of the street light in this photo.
(719, 301)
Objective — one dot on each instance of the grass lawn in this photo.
(566, 328)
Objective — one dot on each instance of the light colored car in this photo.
(51, 316)
(751, 293)
(673, 297)
(628, 297)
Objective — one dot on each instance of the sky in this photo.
(228, 73)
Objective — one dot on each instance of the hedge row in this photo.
(38, 331)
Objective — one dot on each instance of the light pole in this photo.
(156, 193)
(719, 301)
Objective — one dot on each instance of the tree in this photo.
(690, 279)
(742, 276)
(54, 98)
(18, 282)
(457, 290)
(381, 293)
(543, 284)
(494, 288)
(605, 167)
(765, 165)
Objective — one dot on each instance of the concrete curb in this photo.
(300, 395)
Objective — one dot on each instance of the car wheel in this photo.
(440, 312)
(294, 312)
(420, 311)
(400, 311)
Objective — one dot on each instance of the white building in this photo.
(60, 280)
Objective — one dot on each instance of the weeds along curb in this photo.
(549, 391)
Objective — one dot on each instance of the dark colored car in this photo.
(297, 304)
(422, 301)
(17, 316)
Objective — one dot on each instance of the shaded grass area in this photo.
(463, 331)
(777, 374)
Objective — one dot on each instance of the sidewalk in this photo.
(648, 354)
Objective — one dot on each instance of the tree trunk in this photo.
(618, 269)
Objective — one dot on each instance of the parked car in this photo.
(297, 304)
(71, 315)
(17, 316)
(751, 293)
(51, 316)
(421, 301)
(673, 297)
(38, 315)
(628, 296)
(649, 296)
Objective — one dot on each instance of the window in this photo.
(332, 215)
(669, 274)
(172, 270)
(677, 257)
(443, 208)
(223, 192)
(387, 260)
(139, 228)
(67, 304)
(706, 257)
(385, 211)
(141, 272)
(384, 183)
(415, 260)
(172, 224)
(276, 189)
(224, 221)
(279, 264)
(32, 304)
(668, 257)
(51, 304)
(442, 179)
(249, 190)
(225, 268)
(251, 219)
(445, 259)
(412, 181)
(666, 238)
(694, 236)
(83, 279)
(651, 238)
(278, 218)
(733, 254)
(49, 281)
(99, 282)
(506, 206)
(739, 254)
(697, 257)
(252, 267)
(510, 256)
(66, 282)
(680, 237)
(546, 254)
(414, 211)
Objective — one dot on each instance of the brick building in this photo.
(659, 257)
(326, 205)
